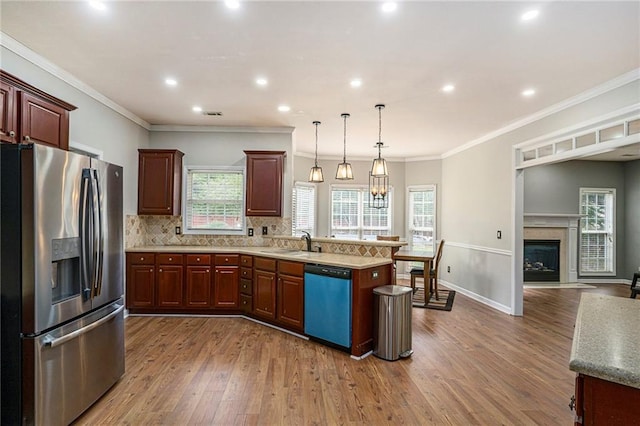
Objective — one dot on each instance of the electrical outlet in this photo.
(449, 269)
(178, 230)
(265, 230)
(499, 235)
(250, 232)
(374, 274)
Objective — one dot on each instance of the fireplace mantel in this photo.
(534, 228)
(551, 220)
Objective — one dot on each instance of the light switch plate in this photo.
(265, 230)
(250, 232)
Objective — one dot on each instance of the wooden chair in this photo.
(433, 274)
(388, 237)
(635, 290)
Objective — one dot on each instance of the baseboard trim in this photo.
(478, 298)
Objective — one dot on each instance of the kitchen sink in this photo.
(281, 251)
(306, 254)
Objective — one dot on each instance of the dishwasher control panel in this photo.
(328, 271)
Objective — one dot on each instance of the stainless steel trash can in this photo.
(392, 322)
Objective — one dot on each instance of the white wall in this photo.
(478, 199)
(92, 123)
(217, 148)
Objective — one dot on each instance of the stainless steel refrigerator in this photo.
(62, 273)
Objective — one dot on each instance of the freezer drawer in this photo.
(67, 369)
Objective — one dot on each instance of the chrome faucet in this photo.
(307, 238)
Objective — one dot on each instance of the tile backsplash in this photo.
(160, 231)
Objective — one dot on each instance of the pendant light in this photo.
(315, 175)
(379, 174)
(344, 171)
(379, 166)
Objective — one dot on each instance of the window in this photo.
(597, 244)
(214, 200)
(421, 217)
(304, 209)
(351, 217)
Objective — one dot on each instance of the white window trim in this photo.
(366, 189)
(315, 211)
(613, 233)
(418, 188)
(185, 172)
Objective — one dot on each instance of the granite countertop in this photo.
(332, 259)
(606, 340)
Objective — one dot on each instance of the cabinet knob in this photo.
(244, 302)
(168, 208)
(12, 133)
(159, 270)
(226, 259)
(171, 259)
(207, 271)
(197, 259)
(142, 259)
(27, 138)
(151, 270)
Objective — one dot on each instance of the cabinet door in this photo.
(159, 180)
(8, 114)
(264, 183)
(140, 286)
(226, 289)
(198, 286)
(291, 301)
(264, 294)
(43, 122)
(170, 286)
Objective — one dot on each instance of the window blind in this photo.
(304, 209)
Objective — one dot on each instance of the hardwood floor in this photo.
(473, 365)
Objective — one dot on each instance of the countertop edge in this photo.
(331, 259)
(611, 374)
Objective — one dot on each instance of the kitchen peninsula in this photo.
(606, 357)
(260, 283)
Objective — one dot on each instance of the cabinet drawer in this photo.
(141, 258)
(246, 273)
(226, 259)
(198, 259)
(291, 268)
(264, 264)
(169, 259)
(246, 287)
(246, 303)
(246, 261)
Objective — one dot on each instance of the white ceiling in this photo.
(310, 50)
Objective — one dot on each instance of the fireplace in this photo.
(541, 260)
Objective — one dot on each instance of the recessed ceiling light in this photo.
(261, 81)
(284, 108)
(532, 14)
(232, 4)
(389, 6)
(171, 82)
(196, 109)
(528, 92)
(98, 5)
(356, 82)
(448, 88)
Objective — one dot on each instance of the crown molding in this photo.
(48, 66)
(619, 81)
(219, 129)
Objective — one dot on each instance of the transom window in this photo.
(214, 200)
(597, 233)
(353, 219)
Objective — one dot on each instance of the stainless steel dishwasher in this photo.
(327, 304)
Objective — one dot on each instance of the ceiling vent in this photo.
(212, 113)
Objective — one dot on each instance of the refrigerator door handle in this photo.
(53, 342)
(85, 233)
(98, 236)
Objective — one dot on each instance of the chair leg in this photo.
(435, 284)
(413, 282)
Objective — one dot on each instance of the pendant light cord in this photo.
(316, 159)
(344, 153)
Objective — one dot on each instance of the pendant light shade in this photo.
(379, 174)
(315, 175)
(379, 166)
(344, 171)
